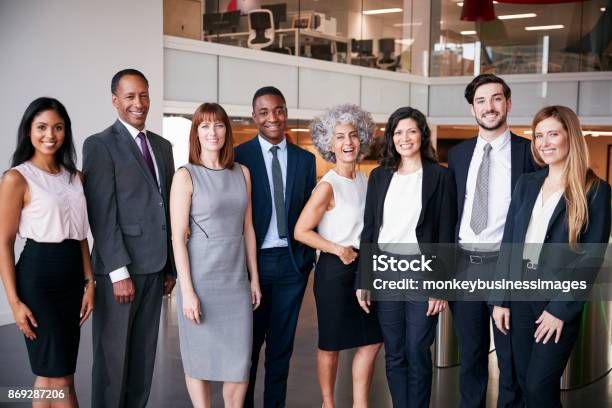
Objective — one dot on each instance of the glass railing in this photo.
(521, 38)
(396, 35)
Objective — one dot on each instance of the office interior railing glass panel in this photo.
(426, 38)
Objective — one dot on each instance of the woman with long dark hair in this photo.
(562, 213)
(51, 288)
(409, 206)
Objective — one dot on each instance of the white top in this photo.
(122, 272)
(272, 240)
(57, 210)
(538, 224)
(402, 209)
(500, 192)
(343, 223)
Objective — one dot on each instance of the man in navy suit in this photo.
(283, 176)
(486, 169)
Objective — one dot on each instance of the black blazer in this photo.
(460, 156)
(517, 222)
(301, 179)
(436, 222)
(128, 213)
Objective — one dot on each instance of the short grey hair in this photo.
(322, 128)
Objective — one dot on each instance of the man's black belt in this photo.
(479, 258)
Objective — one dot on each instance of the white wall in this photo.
(309, 85)
(70, 49)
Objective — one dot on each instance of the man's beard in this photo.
(501, 122)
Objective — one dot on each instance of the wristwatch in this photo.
(90, 280)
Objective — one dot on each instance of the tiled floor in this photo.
(303, 390)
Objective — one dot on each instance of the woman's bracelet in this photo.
(89, 280)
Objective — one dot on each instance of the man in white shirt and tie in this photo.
(485, 171)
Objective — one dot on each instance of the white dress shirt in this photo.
(500, 192)
(272, 239)
(122, 272)
(538, 224)
(401, 213)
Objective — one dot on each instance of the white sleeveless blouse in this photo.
(343, 223)
(57, 210)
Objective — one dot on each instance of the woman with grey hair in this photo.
(331, 222)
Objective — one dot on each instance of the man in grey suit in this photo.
(128, 171)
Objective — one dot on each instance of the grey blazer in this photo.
(128, 213)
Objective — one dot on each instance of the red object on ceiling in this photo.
(539, 1)
(477, 10)
(483, 10)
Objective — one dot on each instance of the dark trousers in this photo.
(540, 366)
(472, 321)
(408, 335)
(275, 321)
(124, 342)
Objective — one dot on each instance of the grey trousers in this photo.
(124, 342)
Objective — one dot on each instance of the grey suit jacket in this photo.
(128, 213)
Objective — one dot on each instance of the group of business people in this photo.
(225, 228)
(240, 228)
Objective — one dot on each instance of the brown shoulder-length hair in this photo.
(577, 175)
(211, 112)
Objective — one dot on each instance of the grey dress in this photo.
(219, 348)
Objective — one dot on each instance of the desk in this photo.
(295, 32)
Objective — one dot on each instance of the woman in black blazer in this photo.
(564, 203)
(410, 200)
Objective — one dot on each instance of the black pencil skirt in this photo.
(342, 322)
(50, 283)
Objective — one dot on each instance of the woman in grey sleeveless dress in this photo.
(214, 242)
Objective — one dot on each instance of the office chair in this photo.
(388, 59)
(323, 52)
(281, 49)
(364, 57)
(261, 29)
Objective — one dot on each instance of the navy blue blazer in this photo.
(460, 156)
(554, 257)
(301, 180)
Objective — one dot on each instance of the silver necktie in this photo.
(480, 208)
